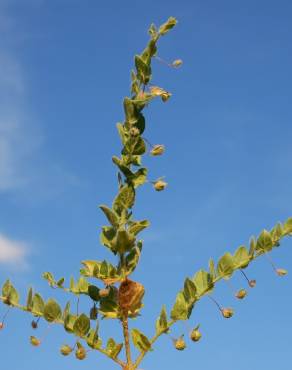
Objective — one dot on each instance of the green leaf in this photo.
(288, 227)
(107, 236)
(133, 257)
(264, 242)
(60, 282)
(93, 292)
(167, 26)
(139, 147)
(161, 323)
(122, 133)
(38, 305)
(112, 348)
(50, 278)
(141, 342)
(137, 226)
(203, 282)
(212, 269)
(29, 299)
(252, 247)
(123, 242)
(82, 285)
(143, 70)
(131, 112)
(190, 291)
(125, 199)
(139, 177)
(180, 310)
(111, 215)
(10, 293)
(81, 326)
(52, 311)
(241, 258)
(66, 311)
(69, 322)
(225, 266)
(277, 233)
(93, 340)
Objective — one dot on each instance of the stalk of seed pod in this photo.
(251, 283)
(227, 312)
(2, 322)
(278, 271)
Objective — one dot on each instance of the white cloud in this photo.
(13, 253)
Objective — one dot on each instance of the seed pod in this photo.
(157, 150)
(34, 324)
(66, 350)
(165, 96)
(130, 295)
(241, 294)
(180, 344)
(227, 312)
(252, 283)
(195, 334)
(159, 185)
(177, 63)
(93, 313)
(80, 353)
(34, 341)
(1, 325)
(281, 272)
(103, 293)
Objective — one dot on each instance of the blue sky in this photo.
(64, 70)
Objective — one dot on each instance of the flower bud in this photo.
(252, 283)
(281, 272)
(34, 324)
(34, 341)
(177, 63)
(66, 350)
(180, 344)
(1, 325)
(227, 312)
(103, 293)
(241, 294)
(159, 185)
(157, 150)
(195, 335)
(80, 353)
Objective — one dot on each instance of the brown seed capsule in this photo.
(130, 295)
(180, 344)
(1, 325)
(227, 312)
(103, 293)
(66, 350)
(80, 353)
(34, 341)
(165, 96)
(159, 185)
(281, 272)
(195, 335)
(34, 324)
(241, 294)
(157, 150)
(252, 283)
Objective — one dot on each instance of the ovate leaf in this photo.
(141, 342)
(52, 311)
(225, 266)
(81, 326)
(180, 310)
(111, 215)
(161, 323)
(241, 258)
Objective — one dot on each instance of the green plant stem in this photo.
(127, 340)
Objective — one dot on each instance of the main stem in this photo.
(127, 342)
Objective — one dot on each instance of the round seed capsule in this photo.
(66, 350)
(281, 272)
(227, 312)
(1, 325)
(180, 344)
(80, 353)
(195, 335)
(34, 341)
(34, 324)
(159, 185)
(241, 294)
(252, 283)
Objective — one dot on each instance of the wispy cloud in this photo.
(13, 253)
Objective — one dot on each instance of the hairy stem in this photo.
(127, 340)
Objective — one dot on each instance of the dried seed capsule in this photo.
(227, 312)
(80, 353)
(180, 344)
(1, 325)
(66, 350)
(252, 283)
(241, 294)
(157, 150)
(34, 324)
(34, 341)
(165, 96)
(159, 185)
(103, 293)
(281, 272)
(195, 335)
(177, 63)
